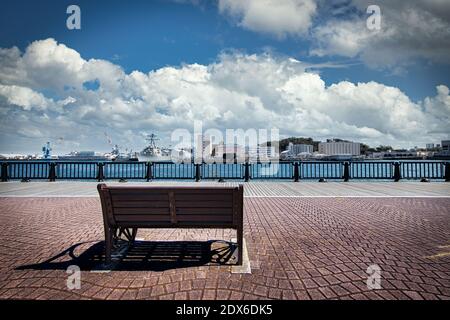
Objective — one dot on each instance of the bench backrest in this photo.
(182, 206)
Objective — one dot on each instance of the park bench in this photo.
(127, 208)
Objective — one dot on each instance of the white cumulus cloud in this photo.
(236, 91)
(409, 30)
(275, 17)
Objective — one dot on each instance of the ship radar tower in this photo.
(152, 138)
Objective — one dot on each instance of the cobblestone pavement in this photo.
(299, 248)
(251, 189)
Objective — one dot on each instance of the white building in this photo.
(203, 147)
(207, 146)
(429, 146)
(332, 148)
(261, 152)
(295, 149)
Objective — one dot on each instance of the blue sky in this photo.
(151, 35)
(145, 35)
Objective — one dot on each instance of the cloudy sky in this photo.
(311, 68)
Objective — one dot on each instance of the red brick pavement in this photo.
(300, 248)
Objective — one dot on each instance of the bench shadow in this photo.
(143, 256)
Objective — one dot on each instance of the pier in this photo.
(303, 240)
(252, 189)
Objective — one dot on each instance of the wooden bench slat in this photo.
(205, 211)
(148, 211)
(200, 197)
(166, 219)
(203, 204)
(178, 204)
(211, 224)
(139, 204)
(179, 211)
(140, 224)
(141, 197)
(143, 217)
(203, 218)
(164, 190)
(131, 190)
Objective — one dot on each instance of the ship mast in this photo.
(152, 138)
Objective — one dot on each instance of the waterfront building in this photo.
(445, 149)
(340, 148)
(396, 155)
(207, 146)
(261, 152)
(295, 149)
(203, 148)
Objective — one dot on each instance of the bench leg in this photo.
(108, 244)
(240, 240)
(112, 237)
(129, 233)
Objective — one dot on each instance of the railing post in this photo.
(4, 171)
(246, 171)
(100, 175)
(346, 171)
(447, 172)
(52, 172)
(296, 172)
(397, 175)
(149, 174)
(197, 172)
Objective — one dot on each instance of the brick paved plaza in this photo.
(298, 247)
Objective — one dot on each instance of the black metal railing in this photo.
(124, 170)
(76, 170)
(270, 170)
(423, 169)
(169, 170)
(221, 171)
(321, 170)
(371, 170)
(27, 170)
(299, 170)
